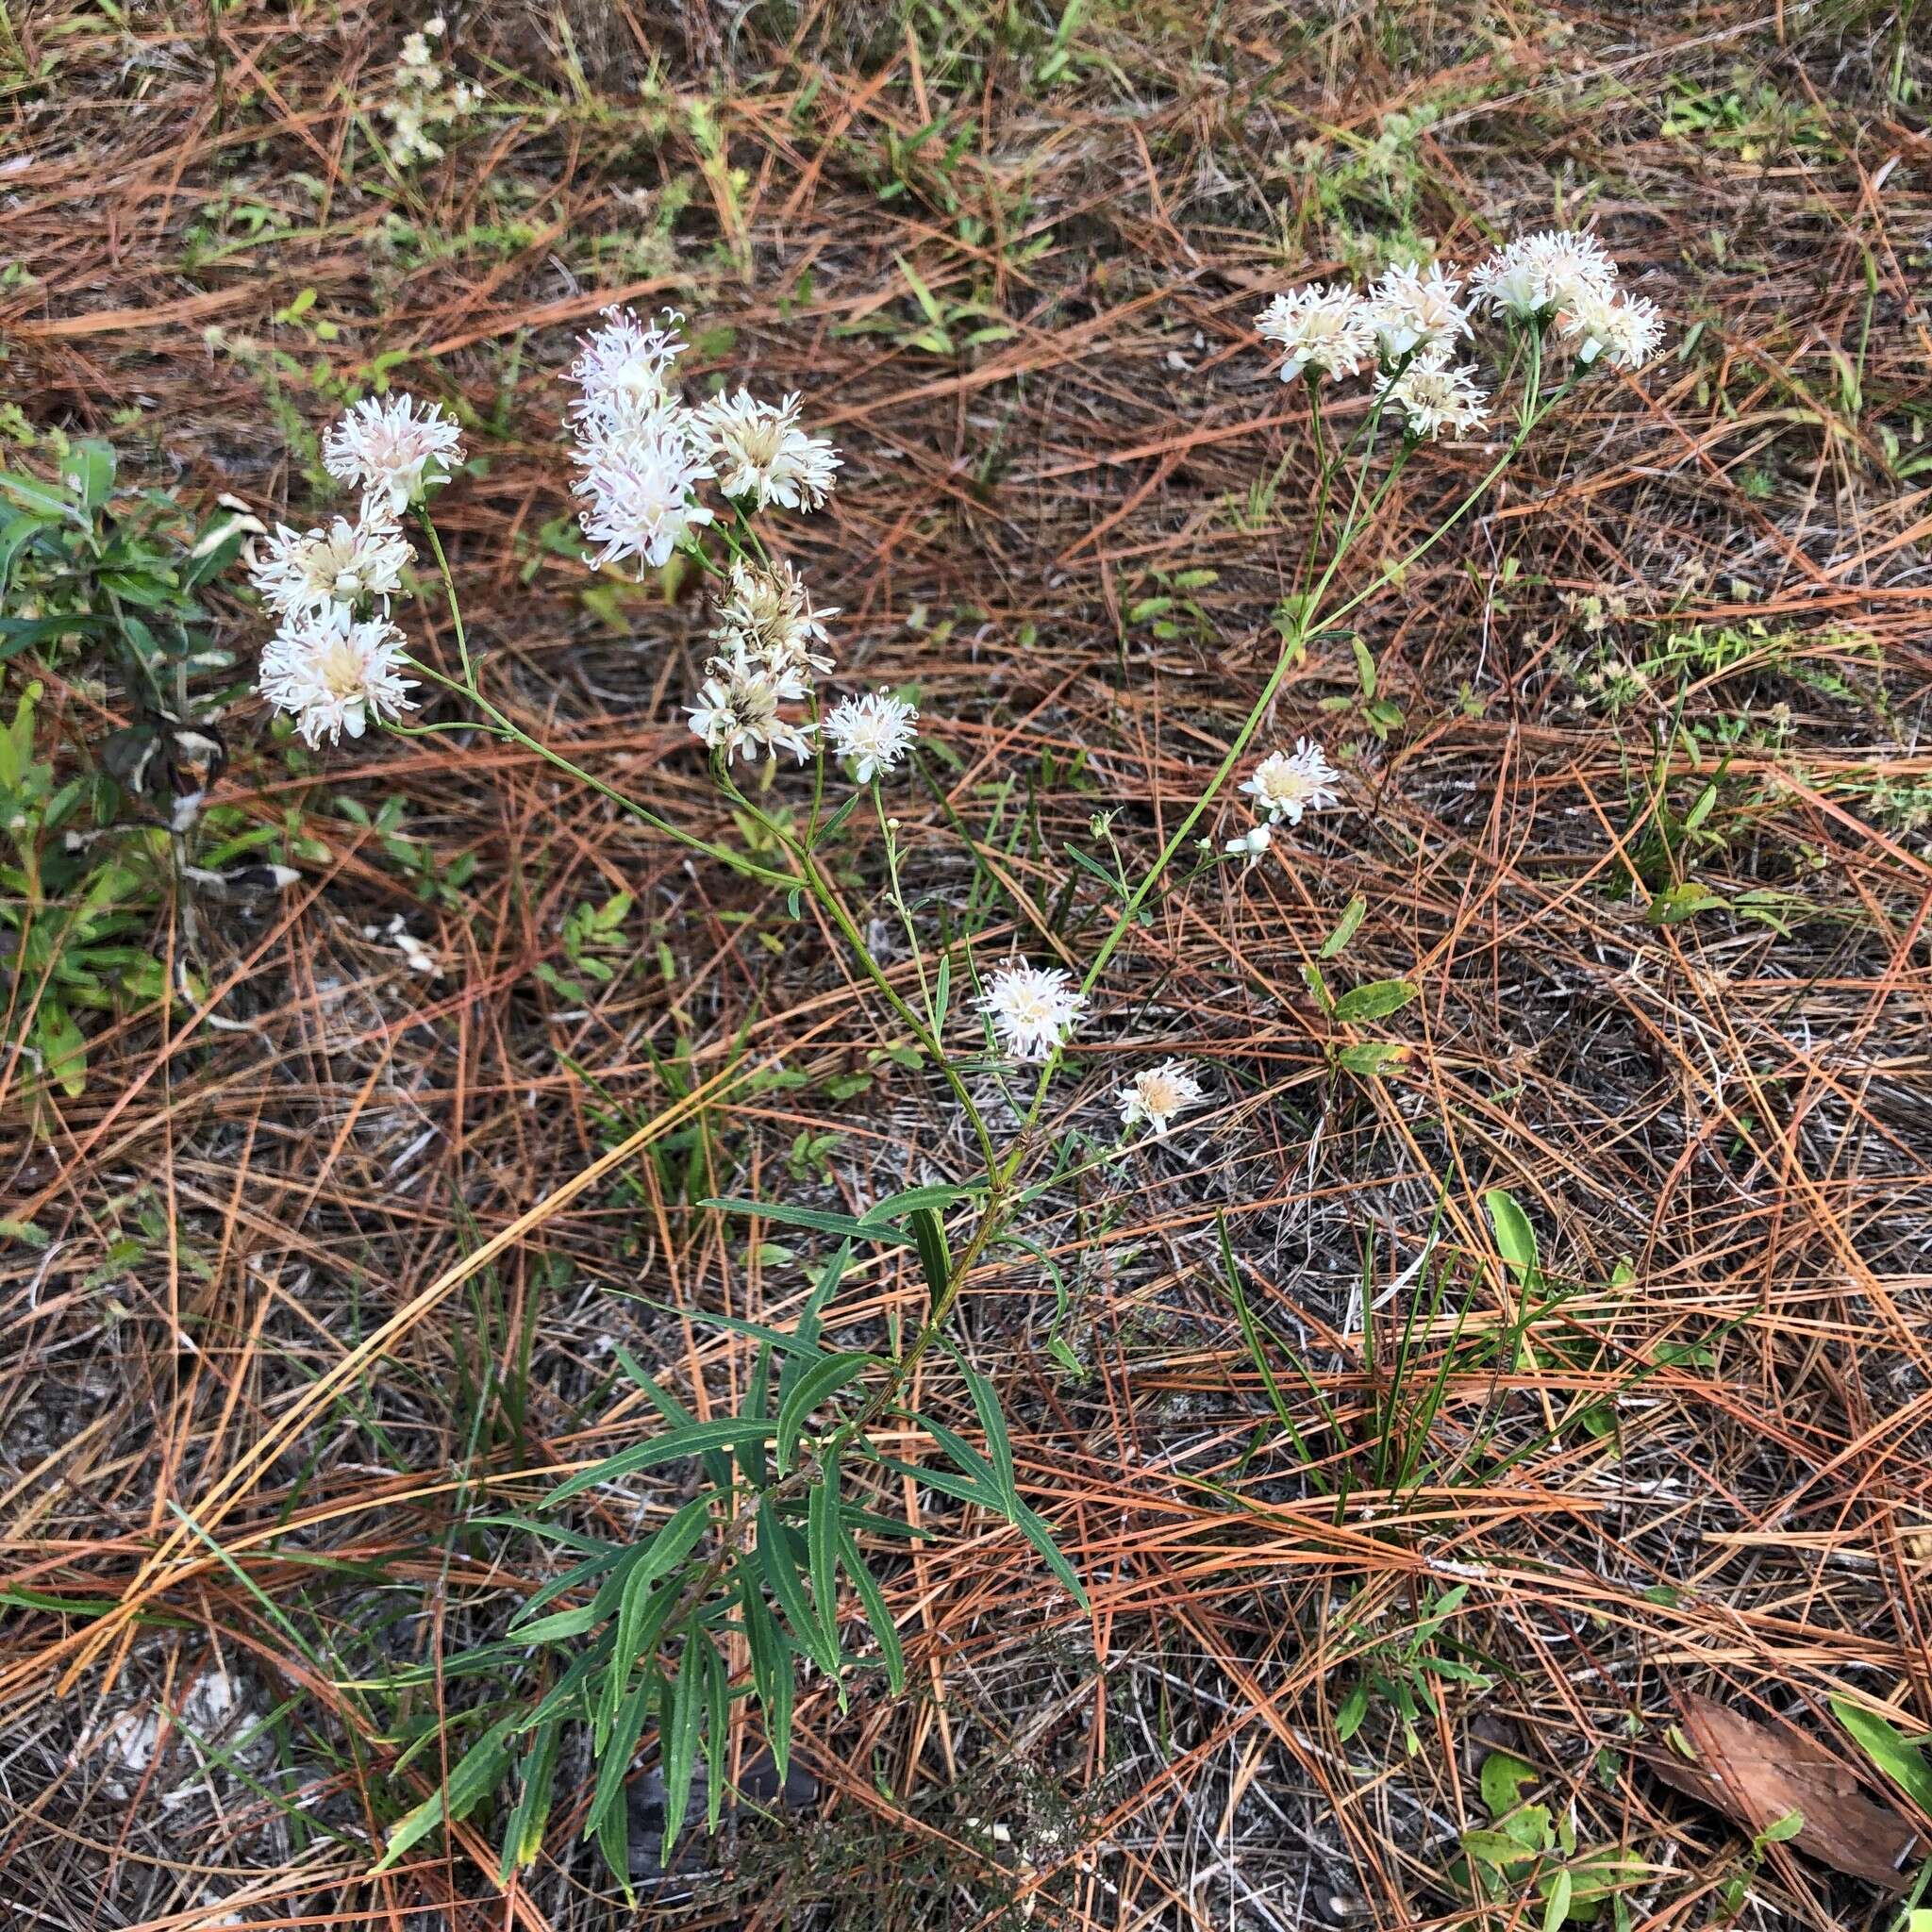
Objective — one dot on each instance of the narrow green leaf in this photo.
(880, 1234)
(771, 1669)
(1901, 1758)
(1034, 1528)
(781, 1573)
(935, 1261)
(821, 1547)
(758, 1405)
(476, 1775)
(877, 1613)
(619, 1748)
(682, 1709)
(1557, 1907)
(717, 1733)
(525, 1838)
(694, 1441)
(942, 992)
(806, 1390)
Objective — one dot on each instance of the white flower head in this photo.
(389, 452)
(332, 673)
(1536, 273)
(877, 730)
(640, 482)
(1032, 1008)
(737, 714)
(1433, 397)
(621, 368)
(1286, 784)
(764, 456)
(1411, 310)
(1627, 330)
(1251, 845)
(1157, 1095)
(1324, 327)
(299, 573)
(768, 615)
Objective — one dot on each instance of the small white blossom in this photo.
(1033, 1008)
(768, 615)
(737, 714)
(1327, 328)
(298, 572)
(875, 729)
(1251, 845)
(1286, 784)
(332, 673)
(639, 482)
(1536, 273)
(1157, 1095)
(763, 455)
(1414, 310)
(389, 452)
(1433, 397)
(1627, 328)
(621, 368)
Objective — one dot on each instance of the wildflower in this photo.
(332, 672)
(1157, 1095)
(768, 615)
(1327, 328)
(299, 574)
(1033, 1008)
(1536, 274)
(1627, 328)
(1412, 311)
(875, 729)
(1286, 784)
(392, 453)
(1434, 397)
(639, 483)
(737, 714)
(1252, 845)
(620, 369)
(763, 455)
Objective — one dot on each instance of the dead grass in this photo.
(336, 1256)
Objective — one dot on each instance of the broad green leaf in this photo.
(1556, 1902)
(1901, 1758)
(88, 472)
(1375, 1001)
(1515, 1237)
(1502, 1778)
(807, 1390)
(1344, 927)
(1781, 1829)
(37, 497)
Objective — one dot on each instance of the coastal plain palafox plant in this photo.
(737, 1585)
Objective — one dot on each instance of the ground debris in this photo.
(1757, 1774)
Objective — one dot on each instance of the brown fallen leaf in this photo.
(1757, 1774)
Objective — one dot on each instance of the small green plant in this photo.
(1528, 1848)
(105, 590)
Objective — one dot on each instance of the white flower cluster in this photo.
(421, 101)
(642, 452)
(642, 456)
(336, 659)
(1033, 1008)
(1284, 785)
(1409, 323)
